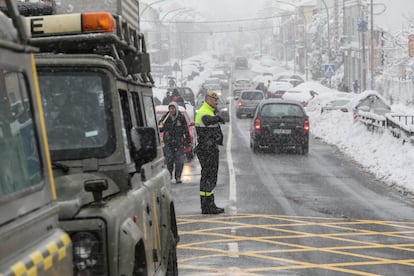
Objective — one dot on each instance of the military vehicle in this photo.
(31, 243)
(112, 186)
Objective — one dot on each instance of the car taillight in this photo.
(306, 125)
(239, 103)
(257, 124)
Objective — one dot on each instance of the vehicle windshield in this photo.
(252, 95)
(279, 110)
(74, 107)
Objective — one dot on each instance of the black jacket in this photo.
(176, 133)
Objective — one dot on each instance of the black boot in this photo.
(213, 204)
(207, 208)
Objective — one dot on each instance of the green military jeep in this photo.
(113, 189)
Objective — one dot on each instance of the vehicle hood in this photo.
(71, 195)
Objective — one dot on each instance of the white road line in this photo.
(232, 177)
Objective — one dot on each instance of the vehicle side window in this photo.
(150, 113)
(126, 115)
(20, 167)
(137, 108)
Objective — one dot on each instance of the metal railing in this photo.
(400, 125)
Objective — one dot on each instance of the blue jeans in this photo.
(174, 157)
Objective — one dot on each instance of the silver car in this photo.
(247, 102)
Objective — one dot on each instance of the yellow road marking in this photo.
(349, 233)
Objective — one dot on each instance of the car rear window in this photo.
(279, 110)
(242, 81)
(252, 96)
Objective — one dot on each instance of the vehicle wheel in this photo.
(172, 268)
(299, 149)
(238, 115)
(305, 148)
(255, 147)
(140, 264)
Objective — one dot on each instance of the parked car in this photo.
(280, 124)
(340, 104)
(222, 107)
(287, 75)
(247, 102)
(241, 84)
(189, 150)
(185, 92)
(277, 89)
(294, 82)
(321, 101)
(241, 63)
(306, 92)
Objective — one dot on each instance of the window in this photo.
(150, 114)
(20, 165)
(278, 110)
(77, 109)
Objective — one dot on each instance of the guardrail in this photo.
(400, 125)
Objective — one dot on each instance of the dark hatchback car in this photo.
(185, 92)
(280, 125)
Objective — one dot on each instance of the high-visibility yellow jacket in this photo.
(208, 128)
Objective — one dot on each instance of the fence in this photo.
(400, 125)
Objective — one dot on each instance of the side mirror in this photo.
(144, 144)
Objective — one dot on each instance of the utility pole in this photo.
(372, 67)
(329, 37)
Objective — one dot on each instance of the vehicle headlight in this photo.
(87, 251)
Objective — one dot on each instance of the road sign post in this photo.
(411, 45)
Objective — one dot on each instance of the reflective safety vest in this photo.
(205, 109)
(208, 135)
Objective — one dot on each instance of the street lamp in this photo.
(171, 11)
(149, 5)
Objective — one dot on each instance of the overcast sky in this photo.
(392, 19)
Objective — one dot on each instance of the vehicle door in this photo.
(155, 176)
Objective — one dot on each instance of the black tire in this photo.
(172, 268)
(305, 149)
(254, 146)
(238, 115)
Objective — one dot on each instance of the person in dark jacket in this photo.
(210, 137)
(176, 136)
(167, 99)
(176, 97)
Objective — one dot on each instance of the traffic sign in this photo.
(362, 25)
(330, 70)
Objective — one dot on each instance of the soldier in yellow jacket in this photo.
(210, 137)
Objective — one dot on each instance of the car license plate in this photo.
(281, 131)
